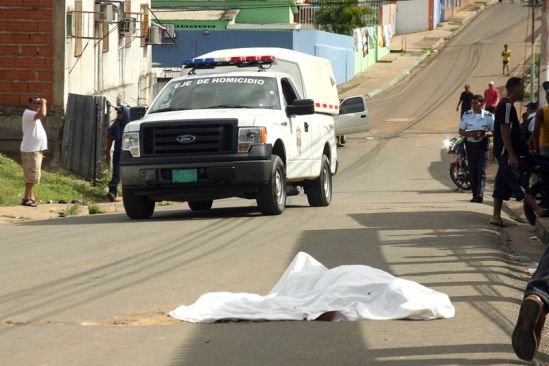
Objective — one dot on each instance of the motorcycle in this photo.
(540, 190)
(459, 168)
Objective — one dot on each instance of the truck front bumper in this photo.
(218, 176)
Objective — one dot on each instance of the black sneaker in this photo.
(111, 197)
(527, 333)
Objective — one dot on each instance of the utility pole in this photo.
(533, 63)
(544, 57)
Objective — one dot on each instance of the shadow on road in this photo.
(440, 170)
(460, 256)
(179, 214)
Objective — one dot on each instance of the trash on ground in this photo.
(308, 289)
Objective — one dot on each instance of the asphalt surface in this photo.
(94, 290)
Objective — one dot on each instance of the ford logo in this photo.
(186, 139)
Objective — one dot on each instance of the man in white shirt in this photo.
(34, 143)
(476, 126)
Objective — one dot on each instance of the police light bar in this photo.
(224, 61)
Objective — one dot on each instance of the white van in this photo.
(238, 123)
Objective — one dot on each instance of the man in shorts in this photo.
(35, 142)
(509, 148)
(506, 57)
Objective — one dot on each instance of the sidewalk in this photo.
(15, 214)
(407, 52)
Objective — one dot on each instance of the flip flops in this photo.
(498, 224)
(29, 203)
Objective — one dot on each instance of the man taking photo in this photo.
(34, 143)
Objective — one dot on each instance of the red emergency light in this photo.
(224, 61)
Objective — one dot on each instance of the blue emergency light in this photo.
(224, 61)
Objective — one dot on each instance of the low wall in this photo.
(337, 48)
(10, 140)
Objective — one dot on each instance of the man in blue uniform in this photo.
(476, 126)
(114, 135)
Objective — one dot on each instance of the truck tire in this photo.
(137, 207)
(319, 191)
(200, 205)
(271, 197)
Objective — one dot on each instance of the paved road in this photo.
(93, 290)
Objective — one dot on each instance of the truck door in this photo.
(353, 117)
(298, 138)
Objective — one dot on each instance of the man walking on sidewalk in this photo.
(491, 98)
(477, 126)
(511, 178)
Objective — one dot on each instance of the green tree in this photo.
(341, 16)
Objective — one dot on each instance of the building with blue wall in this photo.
(335, 47)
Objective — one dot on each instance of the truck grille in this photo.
(189, 137)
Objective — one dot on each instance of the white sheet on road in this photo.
(307, 289)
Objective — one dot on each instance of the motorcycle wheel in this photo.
(540, 192)
(460, 180)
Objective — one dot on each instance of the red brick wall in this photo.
(26, 50)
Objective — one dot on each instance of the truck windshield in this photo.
(218, 92)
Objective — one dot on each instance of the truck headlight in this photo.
(249, 136)
(130, 142)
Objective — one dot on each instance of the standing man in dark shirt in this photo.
(511, 178)
(114, 135)
(465, 100)
(529, 327)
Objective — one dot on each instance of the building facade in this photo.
(228, 14)
(51, 48)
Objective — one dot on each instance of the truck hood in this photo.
(246, 117)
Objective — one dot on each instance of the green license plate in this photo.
(184, 176)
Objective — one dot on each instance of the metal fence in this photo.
(86, 122)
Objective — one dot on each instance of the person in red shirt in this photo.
(491, 98)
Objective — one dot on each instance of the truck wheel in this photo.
(271, 197)
(319, 191)
(137, 207)
(200, 205)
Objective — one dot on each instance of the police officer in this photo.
(476, 126)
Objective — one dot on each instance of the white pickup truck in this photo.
(239, 123)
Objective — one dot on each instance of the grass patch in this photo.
(53, 186)
(94, 209)
(71, 211)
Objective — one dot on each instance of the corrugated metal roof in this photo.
(187, 14)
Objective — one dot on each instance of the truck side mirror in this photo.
(301, 107)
